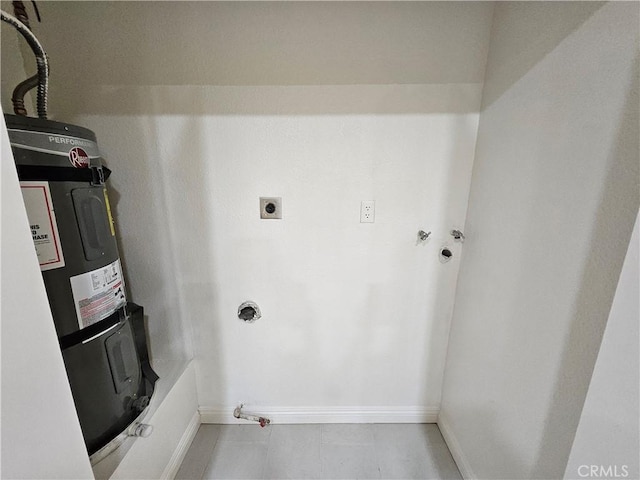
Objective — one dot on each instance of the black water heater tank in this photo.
(101, 335)
(63, 186)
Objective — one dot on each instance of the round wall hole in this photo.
(270, 208)
(249, 312)
(445, 254)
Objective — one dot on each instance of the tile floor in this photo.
(329, 451)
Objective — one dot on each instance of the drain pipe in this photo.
(238, 413)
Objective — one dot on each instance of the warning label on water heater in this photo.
(98, 294)
(42, 221)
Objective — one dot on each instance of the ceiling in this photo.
(266, 43)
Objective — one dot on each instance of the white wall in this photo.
(380, 103)
(353, 315)
(553, 199)
(41, 436)
(607, 434)
(346, 306)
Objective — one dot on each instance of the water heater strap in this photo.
(86, 333)
(63, 174)
(137, 325)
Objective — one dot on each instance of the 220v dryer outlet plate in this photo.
(271, 207)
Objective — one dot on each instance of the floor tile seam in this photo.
(296, 437)
(376, 451)
(204, 469)
(265, 463)
(426, 443)
(349, 444)
(243, 441)
(211, 456)
(371, 442)
(208, 454)
(375, 454)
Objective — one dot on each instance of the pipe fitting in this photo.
(238, 413)
(140, 430)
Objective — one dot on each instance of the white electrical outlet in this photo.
(368, 211)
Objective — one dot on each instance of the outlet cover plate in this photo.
(271, 207)
(368, 211)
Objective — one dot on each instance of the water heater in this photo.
(101, 334)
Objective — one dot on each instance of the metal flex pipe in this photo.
(41, 61)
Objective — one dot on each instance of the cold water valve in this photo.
(457, 235)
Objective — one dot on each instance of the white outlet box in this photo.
(271, 207)
(368, 211)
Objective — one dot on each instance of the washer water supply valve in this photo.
(238, 413)
(423, 236)
(457, 235)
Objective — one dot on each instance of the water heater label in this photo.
(42, 220)
(53, 144)
(98, 294)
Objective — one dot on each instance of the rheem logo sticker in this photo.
(78, 157)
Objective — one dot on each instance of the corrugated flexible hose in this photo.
(41, 61)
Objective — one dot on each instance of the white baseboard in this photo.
(292, 415)
(181, 450)
(454, 448)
